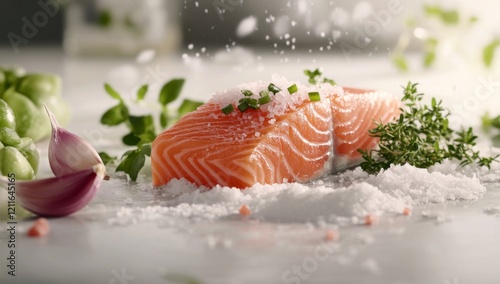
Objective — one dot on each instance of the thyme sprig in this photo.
(421, 137)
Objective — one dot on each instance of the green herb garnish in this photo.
(273, 88)
(420, 137)
(292, 89)
(316, 76)
(314, 96)
(248, 102)
(247, 93)
(264, 99)
(242, 106)
(228, 109)
(142, 129)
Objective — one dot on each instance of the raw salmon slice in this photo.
(290, 139)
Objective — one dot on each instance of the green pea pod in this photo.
(7, 118)
(13, 161)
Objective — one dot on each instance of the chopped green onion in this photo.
(243, 106)
(273, 88)
(314, 96)
(293, 89)
(264, 99)
(264, 93)
(228, 109)
(253, 103)
(247, 93)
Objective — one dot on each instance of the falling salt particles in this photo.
(190, 46)
(302, 7)
(340, 17)
(281, 26)
(362, 11)
(247, 26)
(145, 56)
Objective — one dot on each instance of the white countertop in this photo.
(83, 248)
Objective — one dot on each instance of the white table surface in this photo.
(83, 248)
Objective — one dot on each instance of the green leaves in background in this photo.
(400, 62)
(489, 52)
(104, 19)
(115, 115)
(114, 94)
(141, 93)
(106, 158)
(133, 161)
(488, 124)
(142, 129)
(447, 20)
(170, 91)
(430, 51)
(187, 106)
(449, 17)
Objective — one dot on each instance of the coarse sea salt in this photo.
(351, 196)
(282, 101)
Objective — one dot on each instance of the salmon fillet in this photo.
(290, 139)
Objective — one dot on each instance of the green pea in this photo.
(30, 152)
(9, 137)
(12, 161)
(39, 87)
(31, 121)
(7, 118)
(12, 73)
(2, 83)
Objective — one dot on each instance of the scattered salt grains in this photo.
(439, 218)
(344, 203)
(492, 210)
(370, 265)
(214, 242)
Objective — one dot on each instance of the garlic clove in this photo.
(59, 196)
(68, 152)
